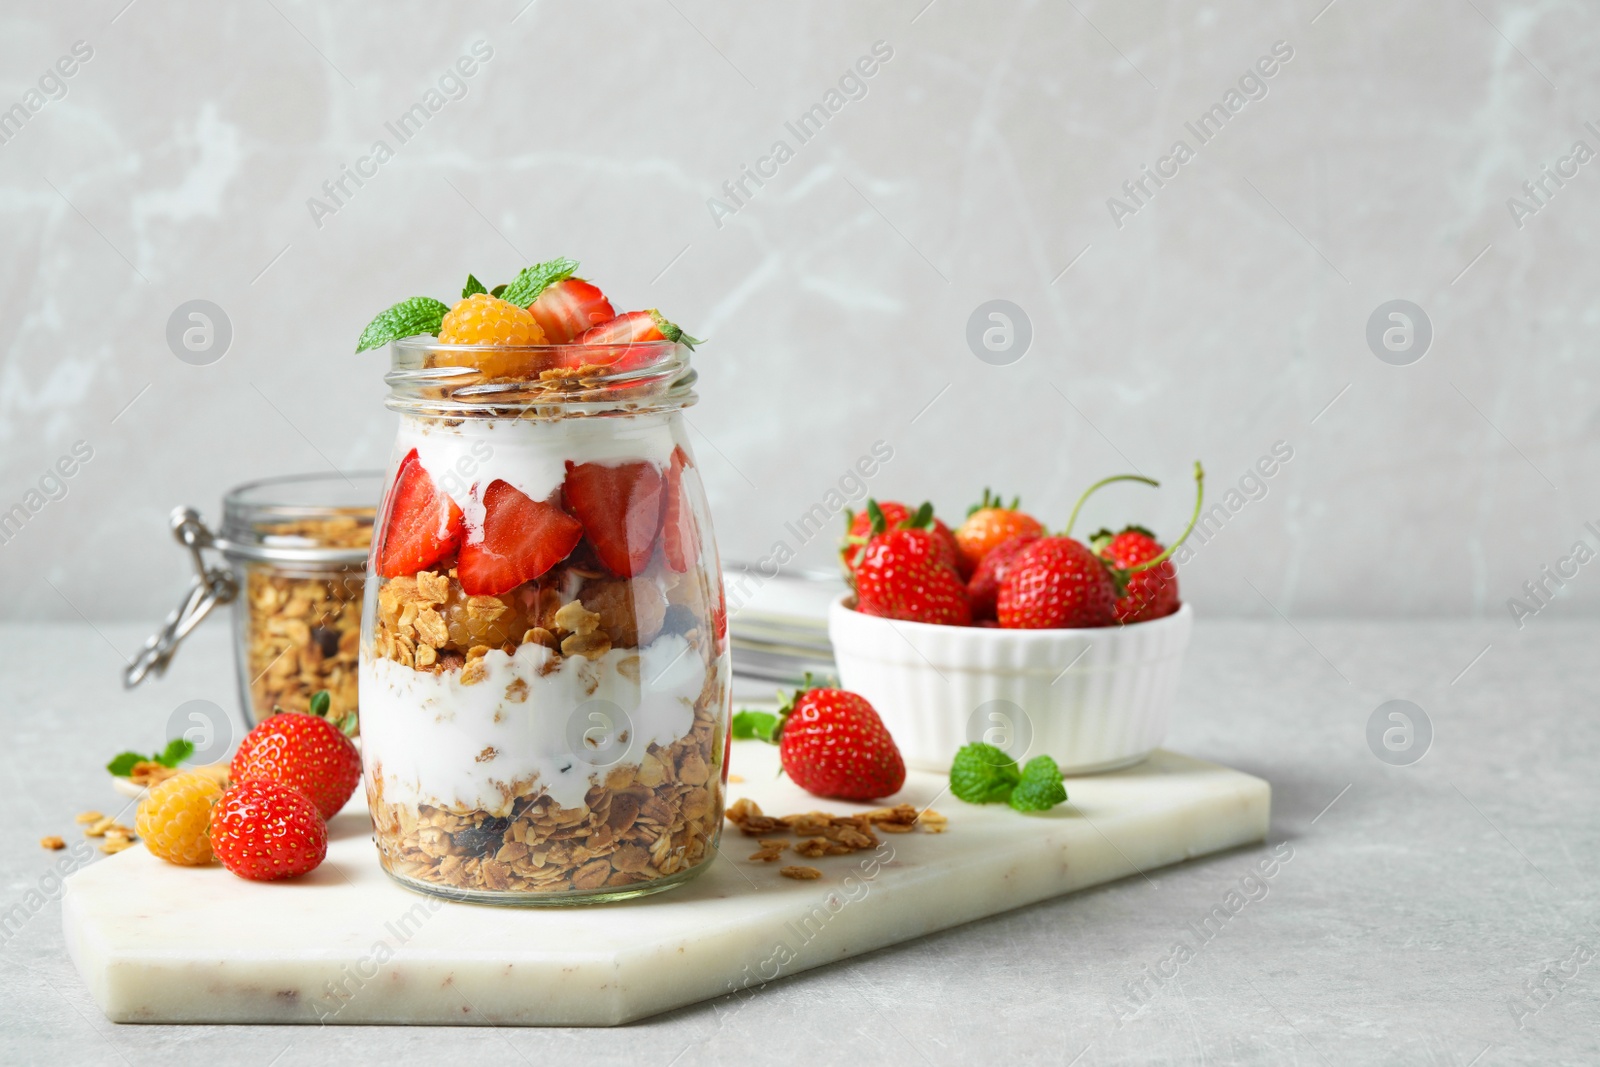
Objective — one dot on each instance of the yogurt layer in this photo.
(435, 741)
(529, 454)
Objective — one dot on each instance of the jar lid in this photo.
(302, 518)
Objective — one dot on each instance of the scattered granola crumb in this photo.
(114, 844)
(933, 822)
(736, 779)
(801, 874)
(99, 828)
(87, 817)
(769, 851)
(52, 842)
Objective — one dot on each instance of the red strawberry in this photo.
(304, 752)
(680, 542)
(265, 831)
(863, 524)
(620, 508)
(522, 539)
(984, 585)
(636, 326)
(902, 575)
(1057, 583)
(833, 744)
(567, 308)
(1151, 593)
(988, 525)
(424, 524)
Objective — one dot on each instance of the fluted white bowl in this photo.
(1095, 700)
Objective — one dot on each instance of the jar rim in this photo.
(250, 512)
(427, 377)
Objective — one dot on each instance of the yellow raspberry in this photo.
(175, 819)
(482, 319)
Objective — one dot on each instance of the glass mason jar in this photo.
(544, 658)
(298, 547)
(295, 552)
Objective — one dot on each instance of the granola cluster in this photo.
(303, 627)
(427, 622)
(636, 824)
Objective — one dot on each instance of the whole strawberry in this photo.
(984, 585)
(1057, 583)
(990, 523)
(903, 575)
(831, 742)
(264, 831)
(303, 752)
(877, 518)
(1149, 594)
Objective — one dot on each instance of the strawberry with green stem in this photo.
(830, 741)
(905, 573)
(876, 518)
(1059, 583)
(989, 524)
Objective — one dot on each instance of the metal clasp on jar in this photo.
(209, 587)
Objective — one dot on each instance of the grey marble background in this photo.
(1227, 313)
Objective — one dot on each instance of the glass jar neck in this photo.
(538, 382)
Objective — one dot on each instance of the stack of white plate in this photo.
(778, 627)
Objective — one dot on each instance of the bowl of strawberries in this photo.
(1002, 632)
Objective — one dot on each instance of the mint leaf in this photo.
(473, 287)
(409, 318)
(1040, 788)
(673, 332)
(983, 774)
(526, 287)
(178, 750)
(321, 700)
(754, 725)
(499, 290)
(123, 765)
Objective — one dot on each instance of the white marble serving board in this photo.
(164, 944)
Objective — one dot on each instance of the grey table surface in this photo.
(1442, 912)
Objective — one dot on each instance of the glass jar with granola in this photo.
(294, 554)
(544, 663)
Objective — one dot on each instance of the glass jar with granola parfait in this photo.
(294, 555)
(544, 662)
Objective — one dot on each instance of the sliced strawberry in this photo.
(620, 508)
(424, 524)
(680, 542)
(568, 308)
(522, 539)
(636, 326)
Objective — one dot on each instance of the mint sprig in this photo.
(473, 287)
(755, 726)
(409, 318)
(984, 774)
(177, 750)
(1040, 788)
(526, 286)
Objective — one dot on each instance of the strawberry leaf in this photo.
(473, 287)
(526, 287)
(673, 332)
(409, 318)
(321, 700)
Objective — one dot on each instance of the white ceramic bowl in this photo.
(1095, 699)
